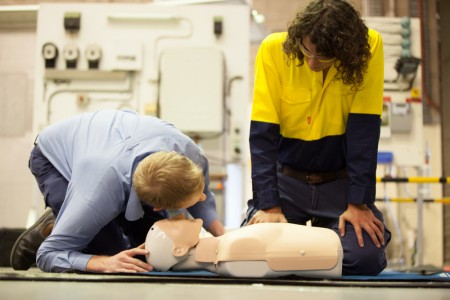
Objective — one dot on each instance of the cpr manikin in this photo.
(258, 250)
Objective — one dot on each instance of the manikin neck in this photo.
(190, 264)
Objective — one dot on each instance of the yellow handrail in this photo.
(407, 200)
(414, 179)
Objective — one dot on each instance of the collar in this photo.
(134, 210)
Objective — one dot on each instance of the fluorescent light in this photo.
(19, 8)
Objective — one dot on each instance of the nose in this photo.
(313, 63)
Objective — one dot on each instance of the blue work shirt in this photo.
(97, 153)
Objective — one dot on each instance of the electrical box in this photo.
(401, 118)
(192, 89)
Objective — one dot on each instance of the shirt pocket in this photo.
(336, 108)
(295, 116)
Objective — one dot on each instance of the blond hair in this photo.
(167, 179)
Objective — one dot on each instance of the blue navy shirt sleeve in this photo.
(362, 134)
(264, 139)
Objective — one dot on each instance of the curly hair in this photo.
(337, 30)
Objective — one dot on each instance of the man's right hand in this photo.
(271, 215)
(123, 262)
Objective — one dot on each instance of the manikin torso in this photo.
(259, 250)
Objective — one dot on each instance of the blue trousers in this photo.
(120, 234)
(322, 204)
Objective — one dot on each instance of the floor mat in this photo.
(385, 279)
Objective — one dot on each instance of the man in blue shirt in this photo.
(85, 167)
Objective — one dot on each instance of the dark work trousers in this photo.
(322, 204)
(120, 234)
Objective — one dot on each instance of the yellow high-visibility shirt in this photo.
(314, 125)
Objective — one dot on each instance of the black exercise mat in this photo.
(385, 279)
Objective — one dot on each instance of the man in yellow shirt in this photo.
(315, 129)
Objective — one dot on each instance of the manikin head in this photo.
(169, 241)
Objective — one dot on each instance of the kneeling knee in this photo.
(367, 260)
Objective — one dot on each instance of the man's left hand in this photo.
(361, 217)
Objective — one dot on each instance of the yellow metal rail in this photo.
(419, 203)
(411, 200)
(414, 179)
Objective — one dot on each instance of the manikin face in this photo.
(315, 61)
